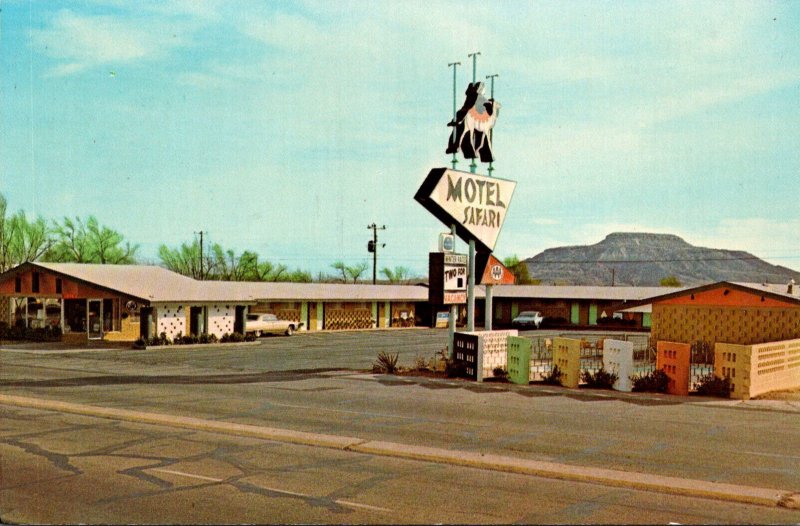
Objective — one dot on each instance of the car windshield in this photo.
(528, 314)
(252, 317)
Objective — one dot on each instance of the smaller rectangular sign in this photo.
(452, 298)
(455, 259)
(442, 319)
(455, 277)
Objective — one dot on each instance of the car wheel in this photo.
(290, 330)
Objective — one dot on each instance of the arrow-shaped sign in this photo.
(476, 204)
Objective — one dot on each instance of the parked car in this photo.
(528, 319)
(259, 324)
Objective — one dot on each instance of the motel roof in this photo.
(158, 285)
(622, 294)
(771, 290)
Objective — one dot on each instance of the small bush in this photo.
(422, 364)
(140, 343)
(386, 363)
(602, 379)
(654, 382)
(713, 385)
(500, 372)
(554, 377)
(212, 338)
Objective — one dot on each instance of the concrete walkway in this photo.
(640, 481)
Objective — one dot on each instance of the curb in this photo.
(607, 477)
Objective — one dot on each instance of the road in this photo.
(62, 466)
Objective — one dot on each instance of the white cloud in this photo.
(81, 42)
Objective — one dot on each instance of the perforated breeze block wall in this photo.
(348, 315)
(492, 351)
(682, 323)
(618, 359)
(519, 360)
(758, 369)
(674, 358)
(171, 320)
(567, 357)
(465, 352)
(220, 319)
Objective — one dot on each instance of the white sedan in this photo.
(259, 324)
(528, 319)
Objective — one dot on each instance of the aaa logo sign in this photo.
(476, 204)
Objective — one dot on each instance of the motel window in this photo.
(35, 282)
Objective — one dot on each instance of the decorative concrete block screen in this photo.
(567, 357)
(675, 359)
(758, 369)
(490, 348)
(221, 319)
(171, 320)
(519, 360)
(465, 352)
(618, 359)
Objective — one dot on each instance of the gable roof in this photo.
(773, 291)
(154, 284)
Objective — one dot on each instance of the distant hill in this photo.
(646, 259)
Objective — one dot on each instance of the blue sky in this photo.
(288, 127)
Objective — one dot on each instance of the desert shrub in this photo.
(713, 385)
(654, 382)
(554, 376)
(212, 338)
(422, 364)
(602, 379)
(386, 363)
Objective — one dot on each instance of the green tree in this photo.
(350, 271)
(185, 259)
(396, 275)
(670, 281)
(89, 242)
(21, 240)
(220, 264)
(520, 271)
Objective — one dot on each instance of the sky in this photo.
(286, 128)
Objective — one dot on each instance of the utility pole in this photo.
(201, 253)
(372, 246)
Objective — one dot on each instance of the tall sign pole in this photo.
(488, 307)
(451, 323)
(471, 283)
(455, 65)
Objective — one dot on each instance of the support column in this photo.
(487, 315)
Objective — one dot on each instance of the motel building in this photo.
(125, 302)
